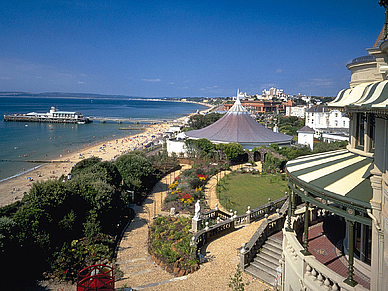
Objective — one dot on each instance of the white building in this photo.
(298, 111)
(306, 136)
(325, 120)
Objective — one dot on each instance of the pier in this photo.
(130, 120)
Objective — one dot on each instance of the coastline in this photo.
(12, 189)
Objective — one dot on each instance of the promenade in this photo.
(222, 254)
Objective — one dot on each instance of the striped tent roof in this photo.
(336, 174)
(373, 95)
(238, 126)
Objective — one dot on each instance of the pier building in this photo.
(54, 116)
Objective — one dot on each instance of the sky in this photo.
(183, 48)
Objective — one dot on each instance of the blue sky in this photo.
(183, 48)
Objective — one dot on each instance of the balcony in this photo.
(327, 267)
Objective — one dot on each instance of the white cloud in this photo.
(151, 80)
(278, 71)
(81, 82)
(170, 83)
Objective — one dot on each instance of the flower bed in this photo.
(169, 245)
(187, 189)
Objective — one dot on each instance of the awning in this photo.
(340, 174)
(372, 95)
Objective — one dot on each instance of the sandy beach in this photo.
(13, 189)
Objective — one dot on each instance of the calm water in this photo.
(38, 141)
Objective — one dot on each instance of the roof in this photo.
(373, 95)
(238, 126)
(318, 108)
(306, 129)
(380, 38)
(339, 174)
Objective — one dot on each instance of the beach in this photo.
(13, 189)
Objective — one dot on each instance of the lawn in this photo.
(238, 190)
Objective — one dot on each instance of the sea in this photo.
(24, 142)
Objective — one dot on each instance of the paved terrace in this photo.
(325, 243)
(141, 272)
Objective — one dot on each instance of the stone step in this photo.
(262, 275)
(267, 261)
(275, 243)
(273, 246)
(263, 268)
(271, 251)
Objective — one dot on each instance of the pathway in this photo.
(141, 272)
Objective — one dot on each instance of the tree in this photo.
(231, 150)
(7, 227)
(199, 147)
(135, 170)
(199, 121)
(85, 163)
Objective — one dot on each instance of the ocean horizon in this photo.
(40, 141)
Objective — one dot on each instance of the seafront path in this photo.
(142, 273)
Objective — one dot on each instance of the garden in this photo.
(64, 225)
(189, 187)
(169, 244)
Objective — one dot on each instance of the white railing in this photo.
(306, 272)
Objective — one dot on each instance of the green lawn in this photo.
(236, 191)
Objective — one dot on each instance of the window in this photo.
(363, 242)
(371, 132)
(360, 138)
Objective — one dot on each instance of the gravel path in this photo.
(141, 273)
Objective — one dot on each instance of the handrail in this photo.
(247, 218)
(221, 228)
(270, 226)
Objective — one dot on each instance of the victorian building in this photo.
(341, 197)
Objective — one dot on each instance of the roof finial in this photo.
(384, 3)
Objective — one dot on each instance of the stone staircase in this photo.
(267, 260)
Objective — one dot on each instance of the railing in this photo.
(269, 226)
(250, 216)
(230, 223)
(306, 271)
(214, 213)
